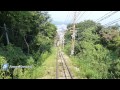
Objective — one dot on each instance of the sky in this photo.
(63, 17)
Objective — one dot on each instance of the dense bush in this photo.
(30, 35)
(97, 50)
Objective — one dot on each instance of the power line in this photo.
(114, 21)
(106, 16)
(73, 17)
(103, 16)
(79, 13)
(68, 15)
(81, 16)
(87, 15)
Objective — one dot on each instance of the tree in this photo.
(30, 34)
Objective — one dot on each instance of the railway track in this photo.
(62, 69)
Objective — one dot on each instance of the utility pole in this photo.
(73, 35)
(63, 42)
(6, 34)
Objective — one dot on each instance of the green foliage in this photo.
(85, 24)
(114, 69)
(24, 26)
(2, 61)
(67, 48)
(44, 55)
(31, 36)
(14, 55)
(110, 38)
(93, 61)
(89, 35)
(30, 61)
(97, 50)
(33, 72)
(43, 43)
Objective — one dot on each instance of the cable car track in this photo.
(62, 69)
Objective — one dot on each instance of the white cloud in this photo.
(61, 27)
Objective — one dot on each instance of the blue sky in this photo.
(66, 16)
(62, 18)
